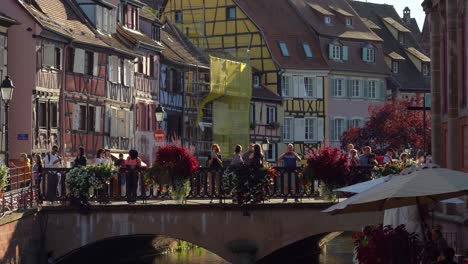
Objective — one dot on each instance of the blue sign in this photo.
(23, 136)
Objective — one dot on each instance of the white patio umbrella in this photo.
(364, 186)
(423, 186)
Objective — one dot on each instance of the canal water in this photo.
(337, 251)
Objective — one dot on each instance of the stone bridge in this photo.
(237, 234)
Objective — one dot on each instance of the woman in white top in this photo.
(101, 158)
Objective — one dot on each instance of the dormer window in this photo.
(256, 81)
(131, 17)
(368, 54)
(349, 22)
(328, 20)
(156, 34)
(105, 19)
(425, 69)
(178, 16)
(284, 49)
(336, 51)
(401, 37)
(395, 66)
(307, 50)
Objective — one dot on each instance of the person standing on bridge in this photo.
(215, 164)
(289, 159)
(54, 179)
(133, 165)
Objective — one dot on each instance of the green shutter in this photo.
(345, 52)
(364, 54)
(330, 51)
(332, 87)
(331, 125)
(349, 88)
(366, 89)
(382, 91)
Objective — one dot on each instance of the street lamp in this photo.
(265, 144)
(160, 113)
(6, 90)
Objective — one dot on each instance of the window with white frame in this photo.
(336, 52)
(309, 86)
(355, 88)
(231, 12)
(338, 88)
(370, 56)
(178, 16)
(310, 128)
(271, 153)
(425, 69)
(372, 89)
(288, 128)
(328, 20)
(285, 86)
(395, 66)
(271, 114)
(349, 22)
(87, 118)
(338, 128)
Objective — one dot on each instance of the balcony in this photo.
(120, 143)
(48, 79)
(146, 84)
(119, 92)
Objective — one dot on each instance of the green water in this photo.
(338, 251)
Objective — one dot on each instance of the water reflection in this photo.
(337, 251)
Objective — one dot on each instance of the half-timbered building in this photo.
(54, 34)
(274, 48)
(354, 54)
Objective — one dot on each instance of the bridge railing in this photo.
(19, 193)
(205, 184)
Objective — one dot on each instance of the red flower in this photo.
(177, 160)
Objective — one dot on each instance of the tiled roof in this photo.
(425, 39)
(137, 37)
(320, 9)
(149, 13)
(418, 54)
(395, 56)
(341, 11)
(412, 25)
(177, 52)
(409, 78)
(263, 93)
(338, 28)
(57, 16)
(292, 31)
(395, 24)
(369, 23)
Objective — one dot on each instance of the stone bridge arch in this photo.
(229, 231)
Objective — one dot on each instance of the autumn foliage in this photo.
(391, 125)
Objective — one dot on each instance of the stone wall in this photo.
(20, 239)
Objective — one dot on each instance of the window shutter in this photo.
(95, 64)
(76, 117)
(78, 65)
(130, 122)
(110, 68)
(98, 17)
(299, 129)
(125, 74)
(364, 54)
(127, 123)
(332, 87)
(320, 128)
(276, 115)
(105, 20)
(114, 122)
(61, 59)
(49, 55)
(131, 73)
(382, 91)
(366, 89)
(345, 52)
(301, 88)
(112, 20)
(330, 51)
(97, 119)
(2, 52)
(319, 87)
(107, 119)
(118, 71)
(349, 88)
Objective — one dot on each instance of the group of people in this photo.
(54, 182)
(367, 158)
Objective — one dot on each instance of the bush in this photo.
(329, 166)
(3, 177)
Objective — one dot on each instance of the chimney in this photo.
(406, 15)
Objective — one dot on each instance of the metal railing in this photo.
(205, 184)
(19, 193)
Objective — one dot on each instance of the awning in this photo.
(115, 156)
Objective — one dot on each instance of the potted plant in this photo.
(174, 166)
(79, 182)
(3, 178)
(103, 173)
